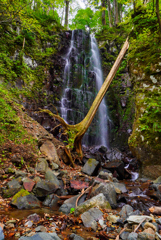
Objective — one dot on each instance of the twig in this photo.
(82, 193)
(139, 224)
(117, 238)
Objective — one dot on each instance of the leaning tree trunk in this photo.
(77, 131)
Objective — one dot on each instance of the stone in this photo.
(124, 235)
(75, 237)
(34, 218)
(114, 154)
(117, 168)
(25, 202)
(113, 218)
(132, 236)
(120, 186)
(28, 184)
(90, 166)
(145, 236)
(28, 224)
(138, 219)
(54, 166)
(89, 221)
(50, 176)
(105, 175)
(51, 201)
(42, 236)
(49, 150)
(40, 229)
(158, 180)
(126, 211)
(44, 188)
(108, 190)
(150, 225)
(149, 231)
(41, 165)
(12, 188)
(19, 173)
(99, 201)
(70, 203)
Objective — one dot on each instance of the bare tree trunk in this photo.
(103, 12)
(109, 13)
(66, 12)
(158, 16)
(120, 12)
(77, 131)
(116, 18)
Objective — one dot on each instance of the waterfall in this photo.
(102, 110)
(82, 79)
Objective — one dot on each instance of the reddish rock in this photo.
(28, 184)
(78, 184)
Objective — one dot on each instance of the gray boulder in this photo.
(12, 188)
(109, 192)
(90, 166)
(51, 201)
(42, 236)
(126, 211)
(132, 236)
(27, 202)
(41, 165)
(49, 150)
(91, 217)
(51, 177)
(44, 188)
(145, 236)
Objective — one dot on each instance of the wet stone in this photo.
(44, 188)
(132, 236)
(40, 229)
(34, 218)
(42, 235)
(126, 211)
(51, 201)
(90, 166)
(51, 177)
(145, 236)
(89, 221)
(75, 237)
(124, 235)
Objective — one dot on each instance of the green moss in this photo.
(21, 193)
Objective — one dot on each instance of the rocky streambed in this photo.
(98, 199)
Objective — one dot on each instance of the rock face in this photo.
(145, 140)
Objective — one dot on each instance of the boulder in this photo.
(44, 188)
(41, 165)
(108, 190)
(49, 150)
(91, 217)
(99, 201)
(12, 188)
(145, 236)
(50, 176)
(28, 184)
(42, 236)
(90, 166)
(51, 201)
(113, 154)
(132, 236)
(126, 211)
(26, 202)
(117, 168)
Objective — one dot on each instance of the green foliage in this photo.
(10, 124)
(72, 210)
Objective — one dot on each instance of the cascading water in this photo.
(82, 79)
(103, 117)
